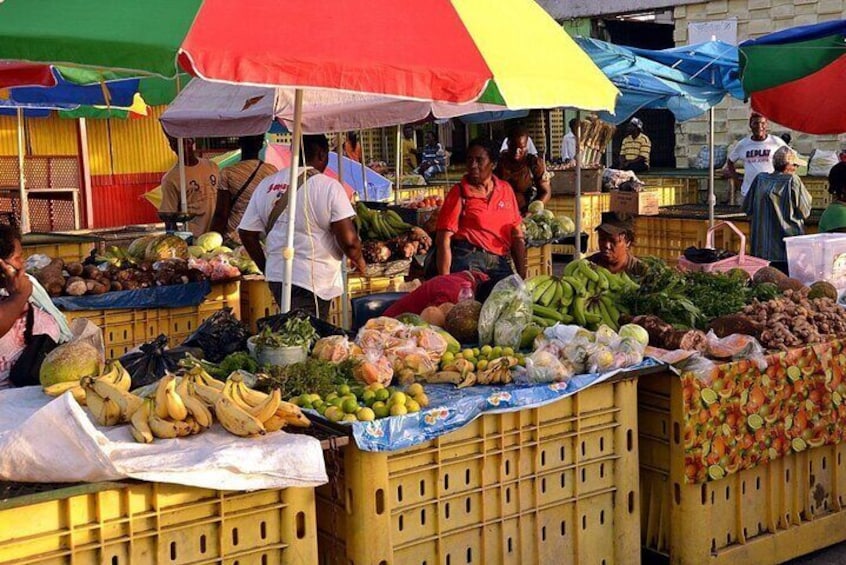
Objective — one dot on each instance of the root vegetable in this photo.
(75, 286)
(51, 277)
(74, 269)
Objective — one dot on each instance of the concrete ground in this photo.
(834, 555)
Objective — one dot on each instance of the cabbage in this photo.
(196, 251)
(536, 207)
(210, 241)
(635, 332)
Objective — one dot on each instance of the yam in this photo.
(75, 286)
(735, 324)
(91, 272)
(74, 269)
(51, 275)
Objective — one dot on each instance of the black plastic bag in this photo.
(323, 328)
(706, 255)
(221, 334)
(154, 359)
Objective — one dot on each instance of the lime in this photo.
(380, 410)
(392, 390)
(398, 410)
(476, 352)
(496, 352)
(350, 406)
(412, 406)
(397, 398)
(343, 390)
(482, 365)
(508, 351)
(333, 414)
(375, 386)
(448, 357)
(307, 405)
(321, 410)
(708, 396)
(716, 472)
(798, 444)
(303, 398)
(296, 401)
(521, 360)
(337, 402)
(331, 396)
(369, 397)
(458, 355)
(422, 399)
(754, 421)
(314, 397)
(486, 350)
(467, 353)
(794, 373)
(349, 418)
(365, 415)
(382, 394)
(414, 389)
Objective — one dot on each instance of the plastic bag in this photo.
(734, 347)
(35, 262)
(152, 360)
(374, 368)
(545, 367)
(704, 156)
(506, 312)
(385, 325)
(411, 362)
(221, 334)
(334, 348)
(821, 162)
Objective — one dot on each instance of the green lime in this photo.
(496, 352)
(794, 373)
(486, 350)
(307, 405)
(333, 414)
(481, 365)
(412, 406)
(375, 386)
(380, 409)
(476, 352)
(314, 397)
(337, 402)
(318, 404)
(399, 410)
(798, 444)
(350, 406)
(331, 396)
(365, 415)
(708, 396)
(458, 355)
(414, 389)
(382, 394)
(343, 390)
(716, 472)
(467, 353)
(369, 397)
(508, 351)
(754, 421)
(447, 358)
(397, 398)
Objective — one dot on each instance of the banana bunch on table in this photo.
(379, 225)
(586, 294)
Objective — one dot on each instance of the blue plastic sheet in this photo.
(451, 408)
(174, 296)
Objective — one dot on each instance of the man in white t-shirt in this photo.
(530, 146)
(323, 232)
(568, 143)
(756, 153)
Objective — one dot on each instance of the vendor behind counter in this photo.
(616, 238)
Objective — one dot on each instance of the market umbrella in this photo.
(795, 76)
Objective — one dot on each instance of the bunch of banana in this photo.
(498, 372)
(108, 399)
(173, 411)
(459, 372)
(379, 225)
(585, 294)
(114, 373)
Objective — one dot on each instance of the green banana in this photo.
(566, 289)
(548, 313)
(543, 322)
(540, 290)
(559, 292)
(606, 316)
(577, 284)
(566, 319)
(579, 311)
(533, 282)
(549, 293)
(613, 312)
(571, 268)
(627, 280)
(587, 271)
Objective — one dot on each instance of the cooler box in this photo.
(818, 257)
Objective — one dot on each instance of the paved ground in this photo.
(834, 555)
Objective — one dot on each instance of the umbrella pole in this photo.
(363, 166)
(399, 163)
(577, 205)
(345, 309)
(183, 196)
(25, 225)
(712, 199)
(288, 252)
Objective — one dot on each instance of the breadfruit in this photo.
(790, 284)
(823, 289)
(768, 274)
(462, 322)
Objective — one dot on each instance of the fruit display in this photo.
(426, 203)
(379, 225)
(478, 366)
(586, 294)
(358, 403)
(386, 237)
(543, 225)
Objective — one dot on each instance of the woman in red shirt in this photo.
(479, 223)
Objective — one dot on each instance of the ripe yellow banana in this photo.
(167, 429)
(268, 408)
(139, 423)
(182, 387)
(207, 394)
(59, 389)
(236, 420)
(275, 423)
(232, 390)
(117, 375)
(127, 401)
(161, 395)
(196, 409)
(208, 380)
(292, 414)
(175, 405)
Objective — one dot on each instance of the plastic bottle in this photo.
(466, 292)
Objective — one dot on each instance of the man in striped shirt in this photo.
(777, 204)
(636, 148)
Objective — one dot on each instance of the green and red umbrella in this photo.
(796, 76)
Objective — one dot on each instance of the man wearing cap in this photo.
(777, 204)
(634, 153)
(755, 152)
(616, 237)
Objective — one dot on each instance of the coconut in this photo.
(462, 322)
(768, 274)
(70, 362)
(823, 289)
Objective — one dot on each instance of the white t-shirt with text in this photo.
(317, 256)
(757, 157)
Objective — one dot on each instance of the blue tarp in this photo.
(685, 80)
(451, 408)
(174, 296)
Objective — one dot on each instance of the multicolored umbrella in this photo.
(795, 76)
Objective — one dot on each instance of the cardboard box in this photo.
(564, 182)
(644, 203)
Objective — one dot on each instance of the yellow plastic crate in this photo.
(122, 523)
(124, 329)
(593, 205)
(818, 188)
(556, 484)
(539, 261)
(766, 515)
(416, 192)
(667, 237)
(67, 252)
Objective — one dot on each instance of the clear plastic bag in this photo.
(736, 346)
(506, 312)
(334, 348)
(412, 362)
(374, 368)
(545, 367)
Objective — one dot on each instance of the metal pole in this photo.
(345, 310)
(363, 166)
(86, 172)
(288, 251)
(183, 196)
(577, 206)
(712, 198)
(399, 164)
(25, 224)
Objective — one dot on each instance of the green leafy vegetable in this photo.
(295, 332)
(310, 376)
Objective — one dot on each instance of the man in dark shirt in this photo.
(616, 237)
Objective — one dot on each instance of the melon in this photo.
(138, 247)
(167, 247)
